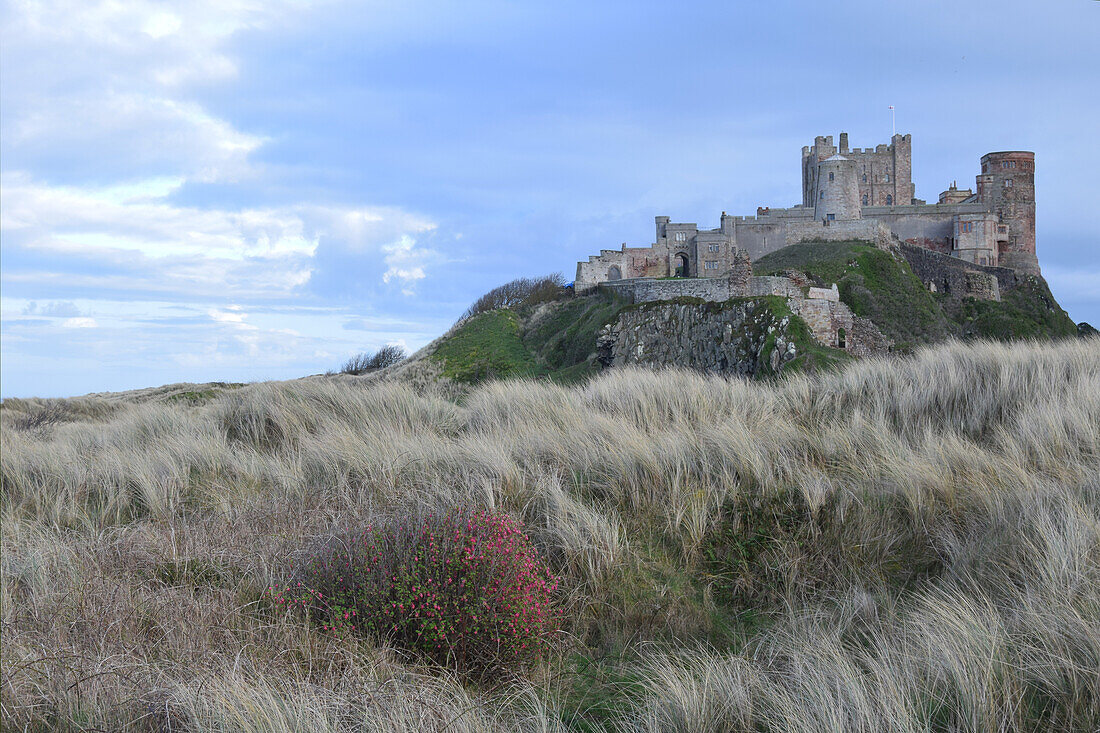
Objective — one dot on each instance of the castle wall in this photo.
(926, 225)
(644, 290)
(958, 278)
(838, 231)
(825, 318)
(629, 262)
(761, 285)
(760, 237)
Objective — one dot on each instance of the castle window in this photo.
(832, 217)
(889, 200)
(887, 177)
(865, 178)
(1008, 183)
(865, 196)
(822, 196)
(710, 265)
(830, 176)
(681, 236)
(841, 338)
(714, 247)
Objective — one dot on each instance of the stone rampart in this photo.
(644, 290)
(840, 231)
(958, 278)
(761, 285)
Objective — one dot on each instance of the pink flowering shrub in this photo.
(465, 589)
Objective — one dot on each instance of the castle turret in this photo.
(1007, 185)
(822, 148)
(662, 223)
(837, 190)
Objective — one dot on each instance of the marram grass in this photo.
(904, 545)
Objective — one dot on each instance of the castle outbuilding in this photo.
(848, 193)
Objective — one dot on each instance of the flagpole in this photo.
(893, 123)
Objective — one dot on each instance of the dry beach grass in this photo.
(908, 545)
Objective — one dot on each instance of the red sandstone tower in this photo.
(1007, 185)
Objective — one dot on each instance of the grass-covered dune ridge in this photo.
(911, 545)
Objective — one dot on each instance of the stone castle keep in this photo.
(852, 193)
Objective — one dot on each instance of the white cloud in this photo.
(79, 323)
(108, 83)
(406, 262)
(83, 218)
(153, 244)
(230, 315)
(160, 25)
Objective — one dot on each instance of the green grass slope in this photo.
(555, 340)
(872, 283)
(1027, 311)
(487, 346)
(883, 288)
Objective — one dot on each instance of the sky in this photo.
(242, 190)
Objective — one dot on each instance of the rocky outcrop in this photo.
(748, 337)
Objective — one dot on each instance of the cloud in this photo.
(57, 309)
(79, 323)
(406, 263)
(232, 315)
(105, 89)
(139, 240)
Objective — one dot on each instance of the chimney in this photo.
(843, 143)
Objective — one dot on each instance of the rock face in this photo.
(734, 337)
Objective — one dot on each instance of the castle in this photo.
(849, 194)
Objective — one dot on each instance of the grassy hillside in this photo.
(555, 340)
(876, 285)
(487, 346)
(1027, 311)
(903, 545)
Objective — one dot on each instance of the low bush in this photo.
(465, 589)
(367, 362)
(524, 292)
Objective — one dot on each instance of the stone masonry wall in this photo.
(643, 290)
(840, 231)
(956, 277)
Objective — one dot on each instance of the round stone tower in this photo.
(1007, 185)
(837, 190)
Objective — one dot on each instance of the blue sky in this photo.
(238, 190)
